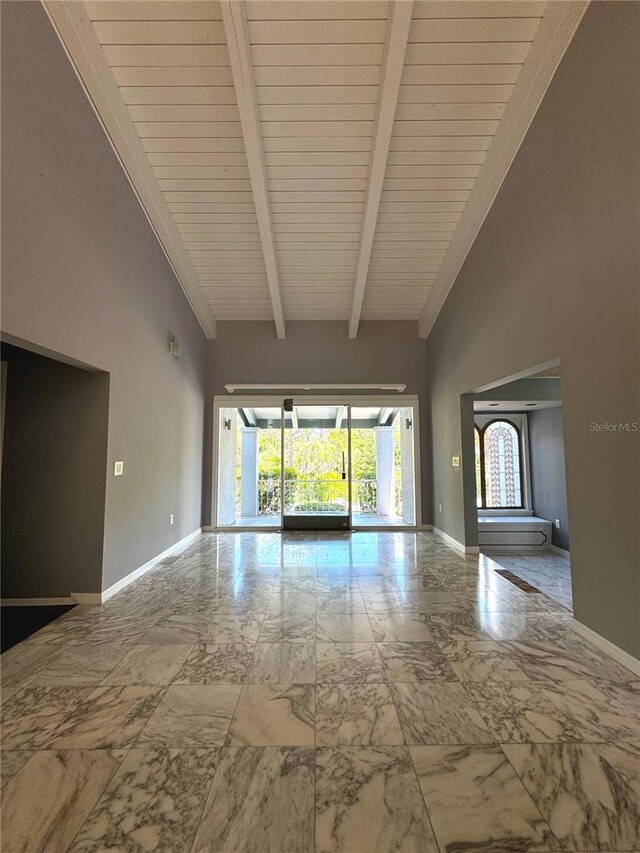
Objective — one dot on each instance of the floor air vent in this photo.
(516, 581)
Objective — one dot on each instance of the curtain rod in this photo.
(399, 387)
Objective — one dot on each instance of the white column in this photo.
(249, 472)
(384, 470)
(227, 464)
(406, 466)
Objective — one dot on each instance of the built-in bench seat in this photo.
(510, 533)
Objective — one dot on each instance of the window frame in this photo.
(524, 490)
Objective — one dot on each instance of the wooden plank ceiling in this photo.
(340, 141)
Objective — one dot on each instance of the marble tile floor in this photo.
(549, 572)
(290, 693)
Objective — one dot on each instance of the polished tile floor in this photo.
(549, 572)
(268, 693)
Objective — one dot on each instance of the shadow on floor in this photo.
(18, 623)
(545, 572)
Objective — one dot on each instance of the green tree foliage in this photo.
(314, 454)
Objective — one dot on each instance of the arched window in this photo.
(499, 466)
(477, 442)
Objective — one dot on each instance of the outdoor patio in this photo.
(318, 497)
(359, 519)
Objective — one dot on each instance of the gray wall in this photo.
(53, 477)
(321, 352)
(548, 478)
(83, 277)
(554, 273)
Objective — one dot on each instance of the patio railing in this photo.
(316, 496)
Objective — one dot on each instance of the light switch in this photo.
(118, 468)
(455, 461)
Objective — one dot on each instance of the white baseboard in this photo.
(465, 550)
(86, 597)
(35, 602)
(105, 595)
(615, 652)
(561, 551)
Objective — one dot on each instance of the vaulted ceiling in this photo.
(313, 159)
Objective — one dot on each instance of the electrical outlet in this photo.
(118, 468)
(455, 461)
(557, 522)
(439, 507)
(171, 519)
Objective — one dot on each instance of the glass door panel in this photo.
(383, 467)
(317, 467)
(249, 477)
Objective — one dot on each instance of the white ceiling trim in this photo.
(395, 47)
(557, 27)
(75, 30)
(237, 34)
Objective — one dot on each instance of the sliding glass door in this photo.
(316, 467)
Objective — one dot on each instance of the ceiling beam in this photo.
(557, 28)
(237, 34)
(78, 37)
(294, 418)
(385, 414)
(339, 416)
(250, 416)
(393, 63)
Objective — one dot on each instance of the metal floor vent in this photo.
(516, 581)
